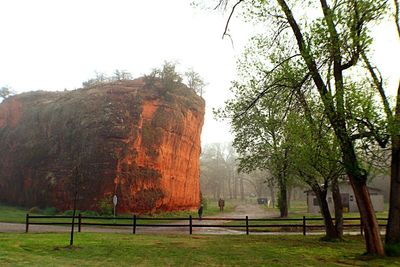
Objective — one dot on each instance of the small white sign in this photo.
(115, 200)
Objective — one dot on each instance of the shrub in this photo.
(89, 213)
(105, 206)
(34, 210)
(204, 201)
(49, 211)
(392, 250)
(70, 212)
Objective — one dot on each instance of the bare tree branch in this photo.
(378, 84)
(396, 16)
(229, 18)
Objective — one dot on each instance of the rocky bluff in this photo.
(138, 141)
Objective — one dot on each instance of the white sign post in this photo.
(115, 201)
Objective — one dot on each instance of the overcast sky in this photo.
(53, 45)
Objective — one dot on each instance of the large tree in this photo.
(277, 126)
(330, 37)
(393, 131)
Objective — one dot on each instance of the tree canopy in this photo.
(326, 45)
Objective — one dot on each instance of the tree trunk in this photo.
(235, 180)
(336, 116)
(272, 190)
(326, 215)
(337, 200)
(283, 207)
(393, 226)
(358, 181)
(230, 186)
(71, 240)
(241, 188)
(368, 218)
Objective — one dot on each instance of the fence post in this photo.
(190, 224)
(247, 225)
(79, 222)
(304, 225)
(134, 224)
(27, 223)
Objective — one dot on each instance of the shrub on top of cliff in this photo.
(101, 78)
(195, 81)
(167, 75)
(5, 91)
(170, 79)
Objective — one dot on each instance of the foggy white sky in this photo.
(52, 45)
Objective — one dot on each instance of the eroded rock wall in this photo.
(138, 141)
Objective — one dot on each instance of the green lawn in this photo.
(297, 210)
(18, 214)
(12, 214)
(93, 249)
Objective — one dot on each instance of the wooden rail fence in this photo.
(246, 223)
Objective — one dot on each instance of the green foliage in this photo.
(95, 249)
(102, 78)
(49, 211)
(105, 206)
(167, 74)
(34, 210)
(89, 213)
(195, 82)
(69, 212)
(392, 250)
(6, 91)
(171, 79)
(204, 202)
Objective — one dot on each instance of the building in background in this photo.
(348, 199)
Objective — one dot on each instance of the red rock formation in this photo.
(138, 141)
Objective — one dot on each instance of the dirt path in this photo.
(241, 211)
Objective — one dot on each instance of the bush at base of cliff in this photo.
(45, 211)
(105, 206)
(34, 210)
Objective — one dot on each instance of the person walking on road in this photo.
(221, 204)
(200, 212)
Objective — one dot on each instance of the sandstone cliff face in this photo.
(137, 141)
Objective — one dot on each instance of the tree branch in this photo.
(382, 141)
(310, 62)
(378, 84)
(396, 16)
(229, 18)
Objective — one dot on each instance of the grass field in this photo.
(182, 250)
(17, 214)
